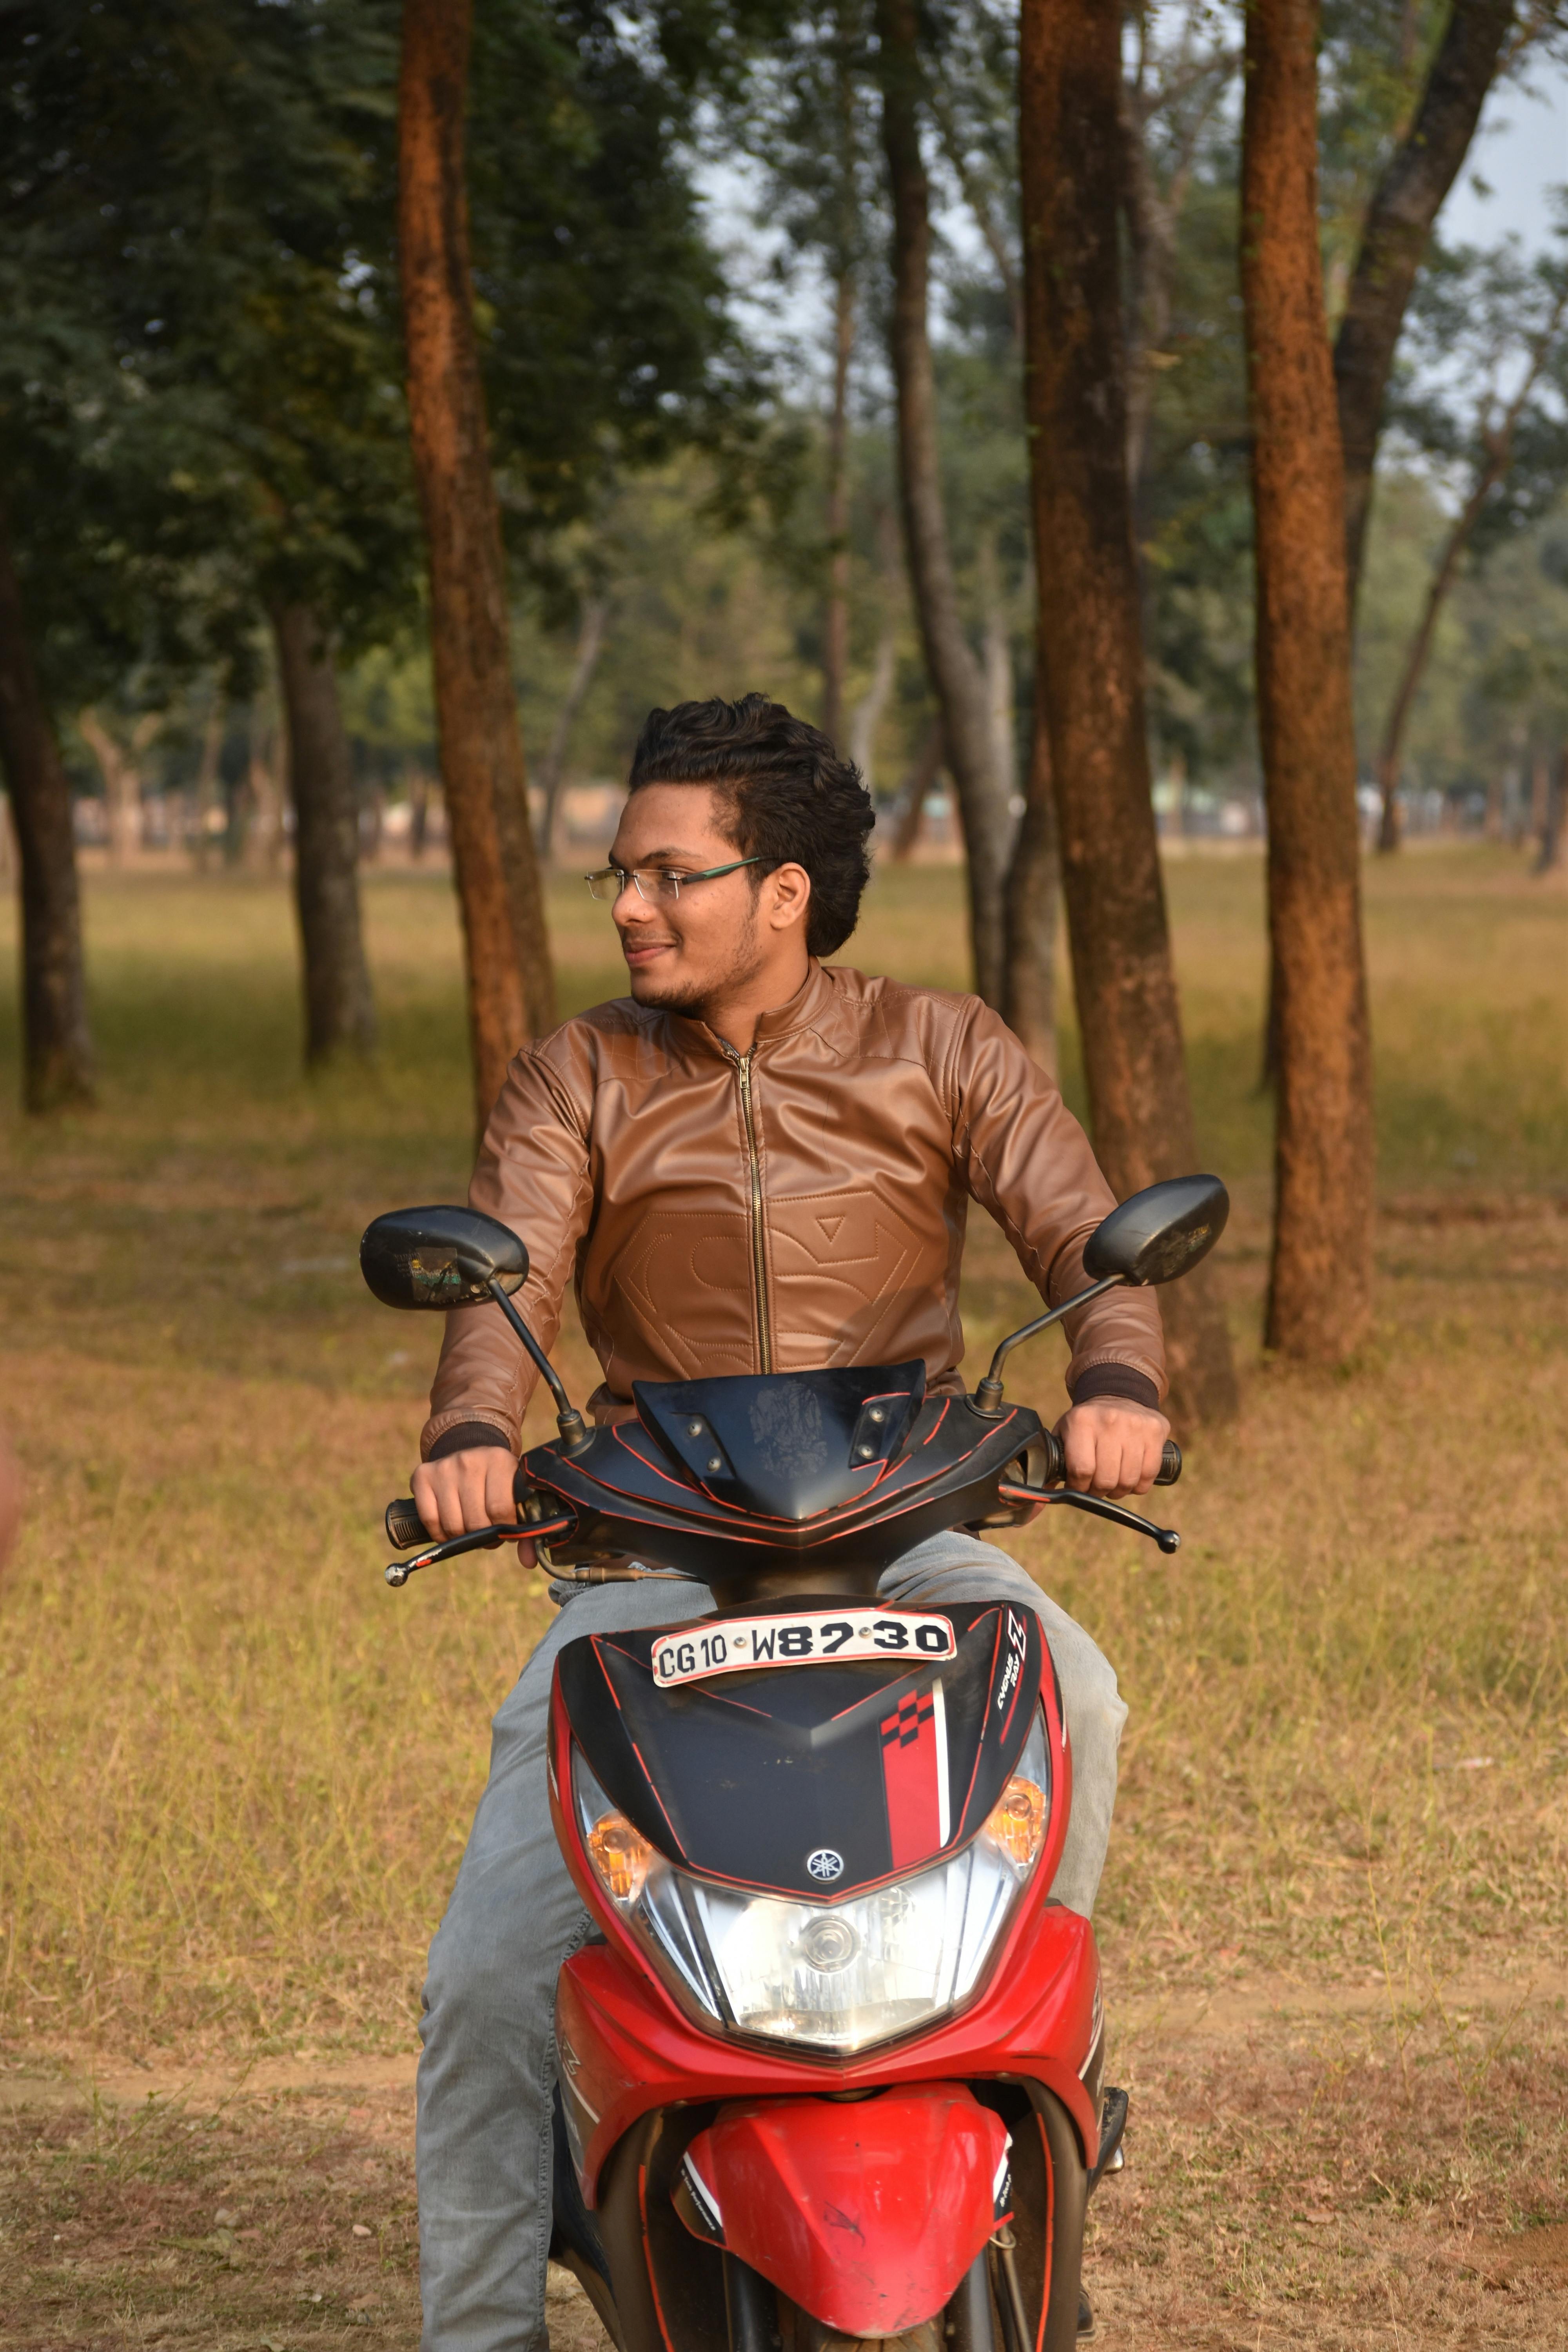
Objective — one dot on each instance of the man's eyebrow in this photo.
(681, 857)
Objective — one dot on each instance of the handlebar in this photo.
(1055, 1464)
(404, 1528)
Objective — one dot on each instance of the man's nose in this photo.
(630, 906)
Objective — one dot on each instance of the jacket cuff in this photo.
(1115, 1380)
(464, 1436)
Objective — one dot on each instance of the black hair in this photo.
(791, 801)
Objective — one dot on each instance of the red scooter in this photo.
(832, 2069)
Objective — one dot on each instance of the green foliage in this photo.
(202, 388)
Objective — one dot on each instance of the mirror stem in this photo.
(987, 1398)
(575, 1432)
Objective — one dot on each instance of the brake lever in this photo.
(398, 1571)
(1098, 1507)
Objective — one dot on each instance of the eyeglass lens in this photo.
(653, 885)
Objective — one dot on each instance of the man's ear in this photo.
(790, 888)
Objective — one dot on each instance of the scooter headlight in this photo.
(833, 1977)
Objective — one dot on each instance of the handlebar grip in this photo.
(1055, 1465)
(404, 1528)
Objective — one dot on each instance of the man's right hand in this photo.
(466, 1491)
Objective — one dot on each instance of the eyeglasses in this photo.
(656, 882)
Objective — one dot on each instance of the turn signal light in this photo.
(1017, 1823)
(621, 1855)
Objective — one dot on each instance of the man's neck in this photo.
(733, 1014)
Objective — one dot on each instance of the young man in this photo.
(754, 1162)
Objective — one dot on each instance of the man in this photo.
(756, 1162)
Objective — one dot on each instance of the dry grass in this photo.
(239, 1771)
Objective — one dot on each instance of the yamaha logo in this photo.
(824, 1864)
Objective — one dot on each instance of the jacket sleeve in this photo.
(1029, 1161)
(532, 1173)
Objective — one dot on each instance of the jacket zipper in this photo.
(759, 1254)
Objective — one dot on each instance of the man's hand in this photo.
(464, 1492)
(1112, 1446)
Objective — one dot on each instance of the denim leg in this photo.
(957, 1567)
(488, 2063)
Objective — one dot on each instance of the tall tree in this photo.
(57, 1048)
(511, 987)
(956, 674)
(340, 1013)
(1404, 205)
(1090, 664)
(592, 619)
(972, 85)
(836, 614)
(1487, 317)
(1034, 892)
(1319, 1295)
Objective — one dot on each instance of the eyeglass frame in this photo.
(631, 878)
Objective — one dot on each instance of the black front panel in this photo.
(749, 1776)
(789, 1445)
(631, 1493)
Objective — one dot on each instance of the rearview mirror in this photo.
(1155, 1236)
(1159, 1235)
(440, 1258)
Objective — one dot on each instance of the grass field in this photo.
(238, 1771)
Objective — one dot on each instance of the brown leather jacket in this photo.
(800, 1206)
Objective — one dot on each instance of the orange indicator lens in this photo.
(1018, 1822)
(620, 1854)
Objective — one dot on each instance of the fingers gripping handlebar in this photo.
(404, 1527)
(1055, 1466)
(1055, 1462)
(1050, 1455)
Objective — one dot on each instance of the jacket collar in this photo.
(807, 1004)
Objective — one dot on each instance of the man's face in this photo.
(684, 952)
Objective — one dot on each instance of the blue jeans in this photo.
(488, 2065)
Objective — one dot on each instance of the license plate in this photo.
(740, 1645)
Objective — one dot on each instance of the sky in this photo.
(1521, 150)
(1518, 154)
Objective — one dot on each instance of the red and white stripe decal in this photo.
(914, 1776)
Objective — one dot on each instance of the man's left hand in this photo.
(1112, 1446)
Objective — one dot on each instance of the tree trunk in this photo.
(1398, 228)
(590, 646)
(957, 676)
(511, 988)
(1034, 888)
(340, 1011)
(1320, 1296)
(1000, 692)
(909, 807)
(119, 764)
(1498, 441)
(1551, 860)
(1091, 666)
(57, 1047)
(884, 669)
(873, 702)
(836, 616)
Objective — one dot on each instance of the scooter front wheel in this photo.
(1036, 2264)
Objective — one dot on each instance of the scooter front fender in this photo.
(866, 2212)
